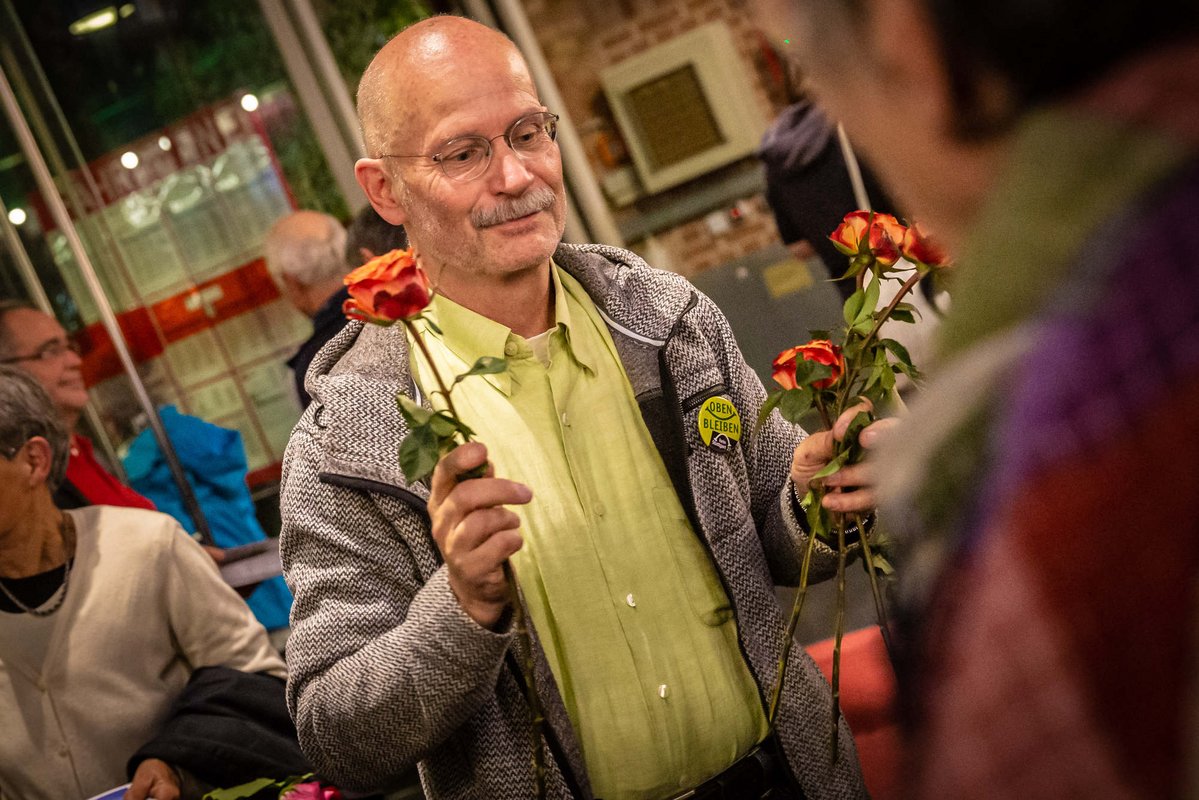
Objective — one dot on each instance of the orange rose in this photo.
(919, 249)
(881, 237)
(886, 238)
(851, 232)
(820, 351)
(387, 289)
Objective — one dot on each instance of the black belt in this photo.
(760, 774)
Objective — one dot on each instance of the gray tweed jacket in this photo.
(387, 670)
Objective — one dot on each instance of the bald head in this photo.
(424, 71)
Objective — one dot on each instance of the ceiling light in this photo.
(129, 159)
(17, 216)
(127, 10)
(249, 102)
(95, 21)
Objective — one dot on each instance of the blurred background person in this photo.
(106, 614)
(1047, 490)
(305, 253)
(370, 235)
(33, 341)
(808, 184)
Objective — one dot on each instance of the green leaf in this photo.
(853, 306)
(419, 453)
(869, 303)
(487, 365)
(832, 467)
(794, 402)
(443, 425)
(432, 325)
(242, 791)
(816, 514)
(902, 315)
(808, 372)
(772, 400)
(414, 413)
(881, 563)
(899, 351)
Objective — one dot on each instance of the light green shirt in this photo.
(637, 628)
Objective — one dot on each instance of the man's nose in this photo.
(511, 175)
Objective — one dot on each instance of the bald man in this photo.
(305, 253)
(645, 548)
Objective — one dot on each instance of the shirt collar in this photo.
(470, 335)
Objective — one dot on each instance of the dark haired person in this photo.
(1048, 489)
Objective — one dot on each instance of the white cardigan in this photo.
(144, 608)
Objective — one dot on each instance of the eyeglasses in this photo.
(56, 348)
(467, 157)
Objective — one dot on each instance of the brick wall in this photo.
(582, 37)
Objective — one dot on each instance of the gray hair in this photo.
(309, 253)
(27, 411)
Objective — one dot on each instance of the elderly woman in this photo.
(105, 614)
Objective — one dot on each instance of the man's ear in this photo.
(380, 189)
(40, 457)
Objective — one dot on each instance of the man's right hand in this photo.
(474, 531)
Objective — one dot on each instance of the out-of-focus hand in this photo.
(853, 485)
(154, 780)
(217, 554)
(474, 531)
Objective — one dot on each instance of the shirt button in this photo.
(511, 348)
(565, 421)
(600, 510)
(663, 690)
(632, 601)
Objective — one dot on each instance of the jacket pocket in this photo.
(696, 572)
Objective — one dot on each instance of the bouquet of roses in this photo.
(394, 288)
(827, 379)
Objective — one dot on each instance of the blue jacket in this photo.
(215, 462)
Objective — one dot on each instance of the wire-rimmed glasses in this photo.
(467, 157)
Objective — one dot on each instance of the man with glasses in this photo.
(645, 555)
(33, 341)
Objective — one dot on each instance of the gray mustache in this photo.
(508, 210)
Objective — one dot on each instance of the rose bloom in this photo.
(311, 791)
(886, 238)
(822, 351)
(918, 248)
(883, 241)
(387, 289)
(851, 232)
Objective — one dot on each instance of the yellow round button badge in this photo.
(719, 423)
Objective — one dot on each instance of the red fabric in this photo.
(97, 484)
(868, 703)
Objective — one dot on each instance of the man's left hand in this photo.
(153, 779)
(853, 485)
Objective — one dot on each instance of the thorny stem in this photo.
(840, 630)
(789, 630)
(524, 641)
(880, 607)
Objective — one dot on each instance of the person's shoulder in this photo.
(126, 528)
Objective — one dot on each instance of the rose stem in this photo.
(880, 607)
(789, 630)
(524, 640)
(895, 301)
(839, 631)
